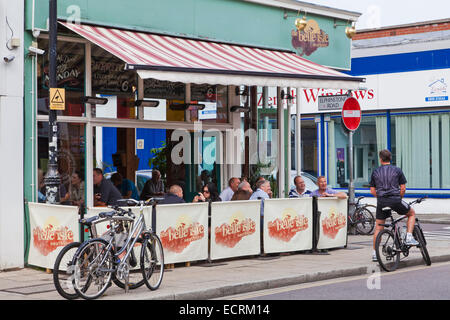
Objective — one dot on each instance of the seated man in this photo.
(263, 190)
(105, 193)
(299, 191)
(228, 192)
(175, 195)
(154, 187)
(125, 186)
(324, 191)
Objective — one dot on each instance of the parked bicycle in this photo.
(62, 270)
(390, 243)
(97, 261)
(362, 218)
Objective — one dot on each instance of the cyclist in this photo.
(388, 185)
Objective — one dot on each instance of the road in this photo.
(416, 283)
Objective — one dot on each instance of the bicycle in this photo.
(362, 218)
(62, 270)
(390, 243)
(97, 260)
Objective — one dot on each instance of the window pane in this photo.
(70, 76)
(71, 161)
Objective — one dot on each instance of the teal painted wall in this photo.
(233, 21)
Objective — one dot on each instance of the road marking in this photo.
(325, 283)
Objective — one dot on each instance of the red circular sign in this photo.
(351, 114)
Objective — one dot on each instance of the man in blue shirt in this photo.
(299, 190)
(388, 185)
(324, 191)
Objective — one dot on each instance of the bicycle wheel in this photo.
(63, 272)
(152, 262)
(93, 268)
(418, 235)
(135, 279)
(365, 221)
(386, 248)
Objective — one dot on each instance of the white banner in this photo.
(288, 224)
(332, 222)
(183, 230)
(235, 229)
(52, 227)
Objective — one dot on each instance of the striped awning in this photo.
(187, 60)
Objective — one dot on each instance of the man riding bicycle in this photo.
(388, 185)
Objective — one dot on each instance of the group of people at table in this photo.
(108, 191)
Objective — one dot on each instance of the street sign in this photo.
(334, 102)
(351, 114)
(57, 99)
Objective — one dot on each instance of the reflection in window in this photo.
(367, 141)
(70, 76)
(71, 161)
(111, 81)
(422, 144)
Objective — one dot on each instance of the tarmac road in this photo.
(414, 283)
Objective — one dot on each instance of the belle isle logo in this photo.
(309, 39)
(185, 232)
(286, 227)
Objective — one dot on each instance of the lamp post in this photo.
(52, 178)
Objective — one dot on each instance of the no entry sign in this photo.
(351, 114)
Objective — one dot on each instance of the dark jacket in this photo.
(171, 198)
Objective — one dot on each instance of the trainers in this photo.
(374, 257)
(410, 241)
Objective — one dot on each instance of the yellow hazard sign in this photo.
(57, 99)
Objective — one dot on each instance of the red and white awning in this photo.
(200, 61)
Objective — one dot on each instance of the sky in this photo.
(382, 13)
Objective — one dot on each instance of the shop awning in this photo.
(186, 60)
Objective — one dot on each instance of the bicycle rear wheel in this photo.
(418, 235)
(93, 268)
(135, 279)
(152, 262)
(63, 272)
(365, 221)
(386, 248)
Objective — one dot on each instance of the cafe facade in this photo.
(185, 87)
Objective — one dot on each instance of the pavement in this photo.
(228, 277)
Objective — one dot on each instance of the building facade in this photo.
(120, 135)
(405, 108)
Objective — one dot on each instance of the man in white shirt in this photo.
(227, 193)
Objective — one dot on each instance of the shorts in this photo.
(398, 205)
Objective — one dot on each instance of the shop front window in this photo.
(70, 76)
(368, 140)
(111, 81)
(71, 161)
(421, 144)
(214, 98)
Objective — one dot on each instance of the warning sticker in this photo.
(57, 99)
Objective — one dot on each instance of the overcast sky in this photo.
(382, 13)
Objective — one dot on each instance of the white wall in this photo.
(11, 138)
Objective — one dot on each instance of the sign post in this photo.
(52, 179)
(351, 117)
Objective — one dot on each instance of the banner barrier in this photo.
(206, 231)
(235, 229)
(102, 227)
(288, 225)
(332, 222)
(52, 227)
(183, 230)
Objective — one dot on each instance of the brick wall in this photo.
(396, 31)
